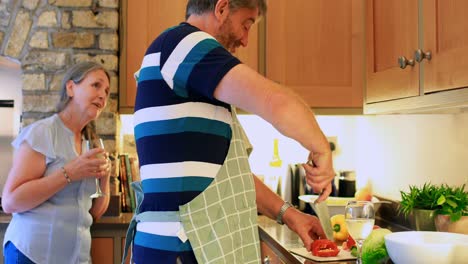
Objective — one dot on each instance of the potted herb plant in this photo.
(427, 202)
(452, 216)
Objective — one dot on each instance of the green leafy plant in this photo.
(453, 202)
(443, 199)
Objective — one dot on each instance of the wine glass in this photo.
(359, 216)
(90, 144)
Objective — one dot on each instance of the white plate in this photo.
(336, 205)
(333, 201)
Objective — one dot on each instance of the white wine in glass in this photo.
(360, 218)
(90, 144)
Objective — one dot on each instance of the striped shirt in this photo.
(182, 132)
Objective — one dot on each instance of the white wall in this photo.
(10, 89)
(392, 151)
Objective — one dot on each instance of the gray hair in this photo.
(199, 7)
(76, 73)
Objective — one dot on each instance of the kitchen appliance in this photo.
(347, 184)
(298, 185)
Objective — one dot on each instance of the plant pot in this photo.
(443, 224)
(423, 220)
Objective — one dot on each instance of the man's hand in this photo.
(306, 226)
(320, 173)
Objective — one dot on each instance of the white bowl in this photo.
(336, 205)
(427, 247)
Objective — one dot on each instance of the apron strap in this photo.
(151, 216)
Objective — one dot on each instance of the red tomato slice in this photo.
(324, 248)
(350, 243)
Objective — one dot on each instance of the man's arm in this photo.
(248, 90)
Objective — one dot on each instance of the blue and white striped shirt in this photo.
(182, 132)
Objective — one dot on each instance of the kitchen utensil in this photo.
(321, 209)
(427, 247)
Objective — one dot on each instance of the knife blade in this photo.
(321, 209)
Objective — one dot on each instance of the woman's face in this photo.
(91, 94)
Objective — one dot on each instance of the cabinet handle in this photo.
(419, 55)
(266, 260)
(403, 62)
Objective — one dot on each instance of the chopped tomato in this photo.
(324, 248)
(376, 227)
(349, 244)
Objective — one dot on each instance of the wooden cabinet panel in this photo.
(268, 255)
(102, 250)
(315, 47)
(403, 27)
(142, 22)
(445, 27)
(129, 254)
(392, 32)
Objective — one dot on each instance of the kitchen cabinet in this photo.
(102, 250)
(141, 22)
(316, 48)
(417, 58)
(268, 254)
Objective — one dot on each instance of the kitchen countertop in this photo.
(279, 237)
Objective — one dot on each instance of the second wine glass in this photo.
(90, 144)
(360, 218)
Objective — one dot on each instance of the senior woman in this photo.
(52, 177)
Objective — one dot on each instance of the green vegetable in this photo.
(373, 249)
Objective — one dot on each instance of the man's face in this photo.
(234, 32)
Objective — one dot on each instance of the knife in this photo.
(321, 209)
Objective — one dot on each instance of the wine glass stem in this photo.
(359, 251)
(98, 188)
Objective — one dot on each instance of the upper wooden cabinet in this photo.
(392, 32)
(316, 47)
(398, 33)
(141, 22)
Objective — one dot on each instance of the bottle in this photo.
(276, 170)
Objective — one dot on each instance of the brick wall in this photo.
(45, 36)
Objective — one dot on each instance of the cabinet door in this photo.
(102, 250)
(316, 47)
(143, 21)
(392, 32)
(445, 27)
(268, 255)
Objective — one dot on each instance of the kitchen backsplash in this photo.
(390, 151)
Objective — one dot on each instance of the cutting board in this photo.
(302, 251)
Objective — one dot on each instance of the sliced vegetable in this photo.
(324, 248)
(340, 230)
(349, 244)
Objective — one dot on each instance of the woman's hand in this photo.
(88, 165)
(319, 173)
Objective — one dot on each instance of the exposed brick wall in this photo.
(45, 36)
